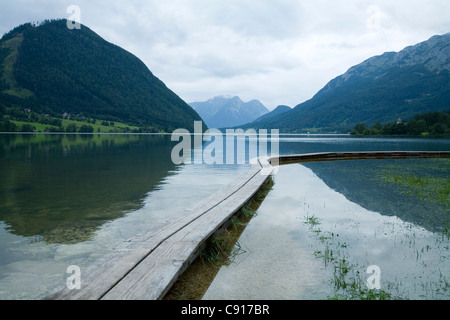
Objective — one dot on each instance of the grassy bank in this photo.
(75, 126)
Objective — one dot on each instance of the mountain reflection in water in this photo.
(61, 188)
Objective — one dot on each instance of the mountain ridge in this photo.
(52, 69)
(380, 89)
(225, 112)
(275, 112)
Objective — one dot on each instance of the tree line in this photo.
(8, 126)
(436, 124)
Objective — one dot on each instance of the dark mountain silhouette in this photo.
(51, 69)
(381, 89)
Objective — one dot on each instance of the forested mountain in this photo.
(276, 112)
(381, 89)
(49, 68)
(223, 112)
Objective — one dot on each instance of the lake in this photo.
(69, 199)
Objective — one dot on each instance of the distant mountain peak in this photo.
(433, 54)
(231, 111)
(380, 89)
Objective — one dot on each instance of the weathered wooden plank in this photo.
(101, 275)
(149, 279)
(154, 276)
(160, 233)
(109, 270)
(338, 156)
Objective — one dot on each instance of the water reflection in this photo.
(56, 190)
(300, 145)
(61, 188)
(415, 190)
(288, 258)
(347, 198)
(69, 200)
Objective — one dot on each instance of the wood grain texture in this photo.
(146, 266)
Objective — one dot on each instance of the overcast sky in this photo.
(279, 52)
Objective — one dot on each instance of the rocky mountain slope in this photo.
(381, 89)
(223, 112)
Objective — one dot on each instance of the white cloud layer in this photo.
(280, 52)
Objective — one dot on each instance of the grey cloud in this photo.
(282, 50)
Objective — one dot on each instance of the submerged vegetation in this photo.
(345, 260)
(424, 250)
(427, 181)
(347, 279)
(224, 247)
(221, 249)
(427, 188)
(414, 190)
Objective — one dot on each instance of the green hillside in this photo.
(50, 69)
(381, 89)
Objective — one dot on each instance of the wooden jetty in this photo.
(339, 156)
(146, 267)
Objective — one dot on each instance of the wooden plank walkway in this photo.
(146, 267)
(339, 156)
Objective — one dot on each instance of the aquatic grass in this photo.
(220, 250)
(413, 183)
(225, 247)
(312, 221)
(348, 283)
(365, 294)
(346, 278)
(263, 191)
(237, 223)
(247, 212)
(426, 180)
(222, 247)
(422, 181)
(429, 189)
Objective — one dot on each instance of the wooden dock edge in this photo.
(342, 156)
(146, 267)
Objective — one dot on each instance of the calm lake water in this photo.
(69, 199)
